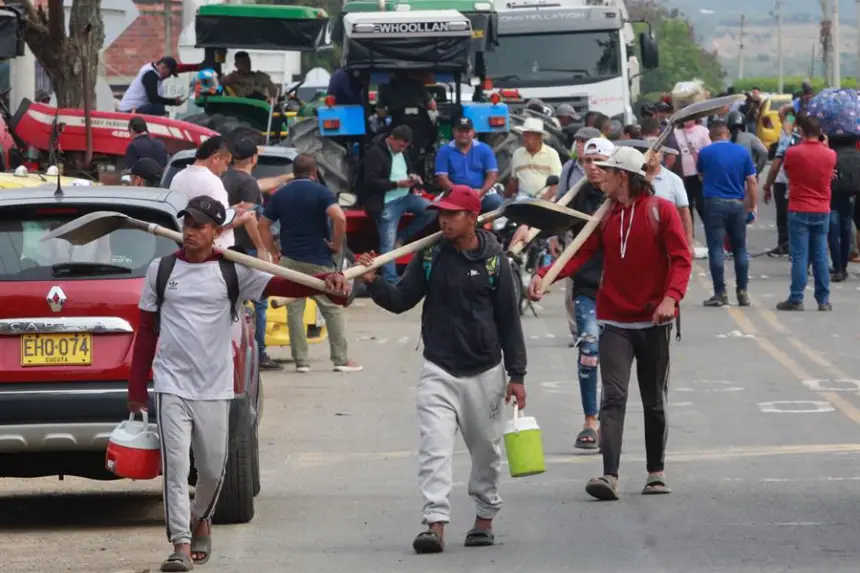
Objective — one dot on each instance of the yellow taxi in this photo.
(769, 125)
(277, 332)
(23, 178)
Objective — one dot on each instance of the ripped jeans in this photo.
(585, 311)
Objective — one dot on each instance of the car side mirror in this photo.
(551, 180)
(650, 53)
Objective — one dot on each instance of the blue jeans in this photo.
(389, 219)
(585, 311)
(260, 307)
(807, 240)
(726, 217)
(491, 202)
(841, 223)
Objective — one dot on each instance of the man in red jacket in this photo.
(185, 338)
(646, 269)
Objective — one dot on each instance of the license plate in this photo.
(57, 349)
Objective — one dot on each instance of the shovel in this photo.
(97, 224)
(413, 247)
(691, 112)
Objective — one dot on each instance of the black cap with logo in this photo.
(148, 169)
(171, 64)
(464, 123)
(205, 211)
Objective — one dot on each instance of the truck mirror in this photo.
(650, 54)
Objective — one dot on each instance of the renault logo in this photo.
(56, 298)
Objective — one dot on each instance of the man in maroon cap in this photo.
(472, 336)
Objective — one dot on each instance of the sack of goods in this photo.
(685, 93)
(134, 449)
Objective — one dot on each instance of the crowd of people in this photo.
(624, 286)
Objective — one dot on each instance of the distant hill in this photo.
(719, 31)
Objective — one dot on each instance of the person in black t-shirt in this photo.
(244, 191)
(143, 145)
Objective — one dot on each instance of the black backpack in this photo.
(847, 176)
(228, 271)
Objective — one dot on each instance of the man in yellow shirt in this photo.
(531, 164)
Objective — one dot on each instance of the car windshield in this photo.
(123, 253)
(267, 166)
(567, 58)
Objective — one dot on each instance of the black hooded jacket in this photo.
(466, 323)
(375, 175)
(587, 280)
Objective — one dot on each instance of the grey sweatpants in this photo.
(474, 405)
(184, 426)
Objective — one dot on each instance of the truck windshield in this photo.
(566, 58)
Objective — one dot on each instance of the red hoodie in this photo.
(655, 262)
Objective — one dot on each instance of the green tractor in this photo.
(220, 27)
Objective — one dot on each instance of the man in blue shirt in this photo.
(304, 208)
(729, 190)
(467, 161)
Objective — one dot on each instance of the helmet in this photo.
(735, 120)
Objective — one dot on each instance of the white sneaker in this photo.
(349, 367)
(303, 369)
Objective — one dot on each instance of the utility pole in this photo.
(837, 71)
(826, 45)
(777, 6)
(741, 49)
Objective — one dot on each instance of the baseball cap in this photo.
(459, 198)
(464, 123)
(244, 149)
(206, 210)
(625, 158)
(598, 146)
(586, 133)
(566, 110)
(171, 65)
(147, 168)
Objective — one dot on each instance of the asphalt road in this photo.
(764, 460)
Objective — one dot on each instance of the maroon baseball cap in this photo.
(459, 198)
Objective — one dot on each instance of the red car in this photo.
(67, 327)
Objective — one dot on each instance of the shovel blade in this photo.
(545, 215)
(705, 108)
(89, 227)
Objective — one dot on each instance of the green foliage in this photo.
(791, 84)
(681, 58)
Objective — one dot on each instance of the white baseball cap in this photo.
(598, 146)
(626, 158)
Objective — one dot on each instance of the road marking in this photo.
(735, 334)
(827, 385)
(722, 386)
(320, 458)
(804, 407)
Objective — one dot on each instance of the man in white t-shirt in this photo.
(185, 340)
(667, 184)
(203, 177)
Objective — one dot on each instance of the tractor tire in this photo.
(244, 131)
(200, 119)
(236, 502)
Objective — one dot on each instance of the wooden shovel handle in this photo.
(589, 228)
(251, 262)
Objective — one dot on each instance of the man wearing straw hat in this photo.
(472, 335)
(646, 270)
(531, 164)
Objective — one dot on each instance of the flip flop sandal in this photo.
(604, 488)
(656, 485)
(428, 542)
(201, 544)
(587, 440)
(178, 562)
(480, 538)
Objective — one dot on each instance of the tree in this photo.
(681, 58)
(68, 58)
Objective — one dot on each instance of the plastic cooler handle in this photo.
(516, 416)
(145, 416)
